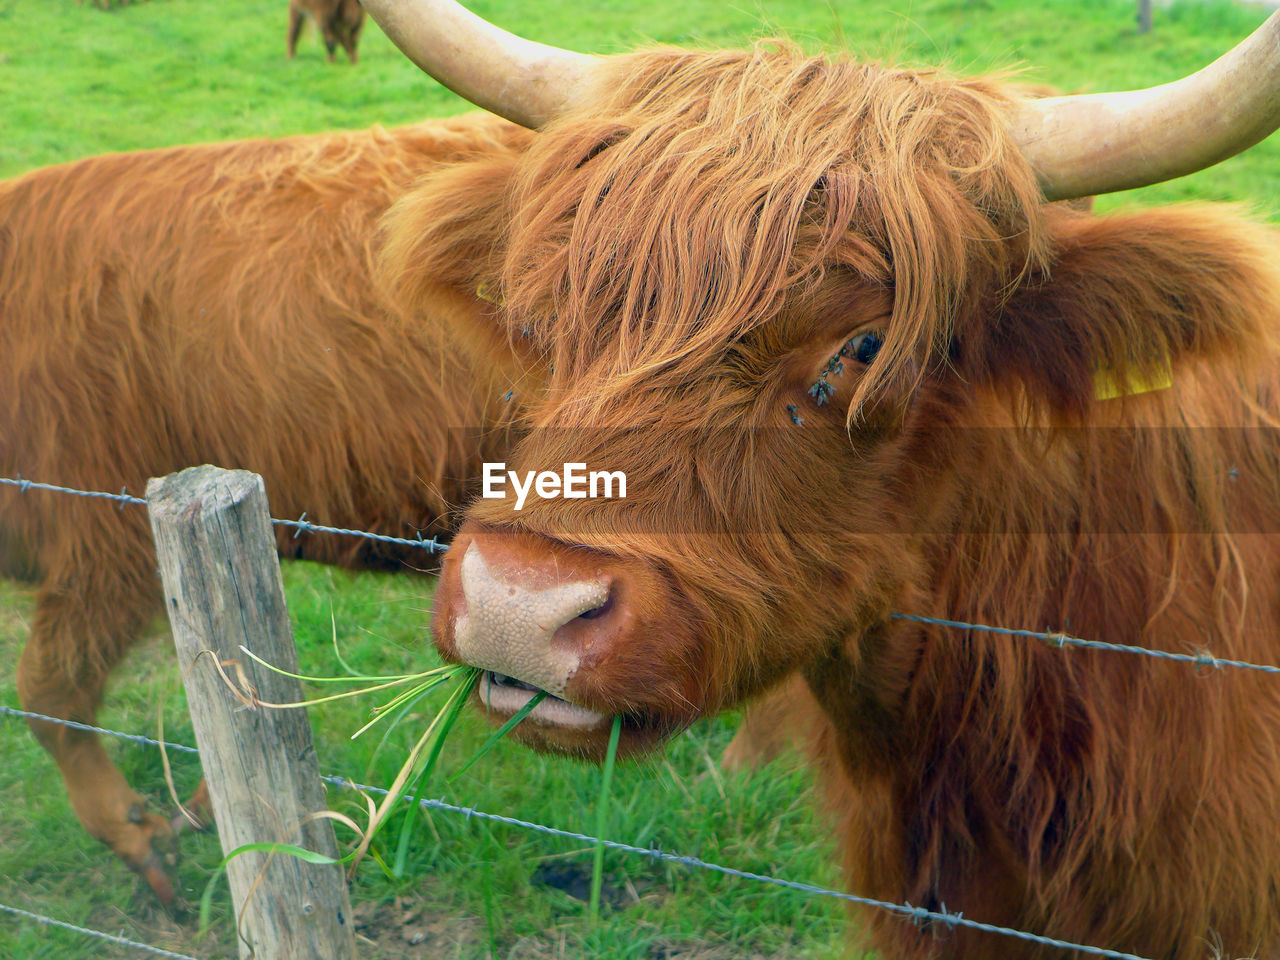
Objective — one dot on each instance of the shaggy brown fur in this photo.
(339, 22)
(681, 258)
(215, 304)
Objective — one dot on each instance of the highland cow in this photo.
(339, 23)
(217, 304)
(854, 363)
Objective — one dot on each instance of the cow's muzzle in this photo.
(536, 615)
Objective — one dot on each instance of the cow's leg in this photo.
(87, 613)
(349, 41)
(781, 719)
(295, 29)
(330, 42)
(352, 23)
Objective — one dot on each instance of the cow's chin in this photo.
(560, 726)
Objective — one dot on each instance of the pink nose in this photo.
(530, 613)
(508, 626)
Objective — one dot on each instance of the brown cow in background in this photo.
(339, 23)
(103, 4)
(217, 303)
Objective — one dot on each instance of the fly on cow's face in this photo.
(862, 348)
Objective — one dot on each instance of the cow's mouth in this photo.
(502, 694)
(562, 726)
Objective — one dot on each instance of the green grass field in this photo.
(75, 80)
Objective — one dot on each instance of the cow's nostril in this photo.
(599, 611)
(511, 626)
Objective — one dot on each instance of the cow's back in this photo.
(217, 303)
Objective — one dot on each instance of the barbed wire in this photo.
(123, 497)
(123, 941)
(918, 915)
(1203, 659)
(432, 544)
(303, 525)
(300, 526)
(90, 728)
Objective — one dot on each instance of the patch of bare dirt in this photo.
(406, 928)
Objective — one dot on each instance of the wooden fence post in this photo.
(222, 588)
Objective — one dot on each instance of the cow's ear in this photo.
(441, 251)
(1125, 301)
(447, 231)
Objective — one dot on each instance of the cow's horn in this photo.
(1100, 143)
(529, 83)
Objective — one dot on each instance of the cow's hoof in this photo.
(159, 875)
(155, 856)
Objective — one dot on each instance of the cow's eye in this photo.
(863, 347)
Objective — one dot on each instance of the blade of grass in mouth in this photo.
(397, 712)
(430, 741)
(397, 709)
(394, 678)
(502, 731)
(410, 696)
(434, 738)
(449, 716)
(602, 818)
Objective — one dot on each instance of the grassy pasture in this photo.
(75, 80)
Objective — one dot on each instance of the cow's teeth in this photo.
(509, 697)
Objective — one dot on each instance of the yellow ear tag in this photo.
(1107, 385)
(485, 292)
